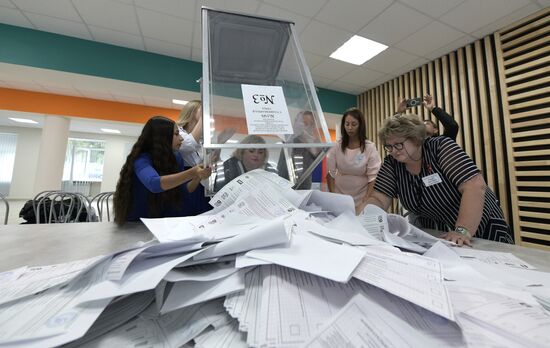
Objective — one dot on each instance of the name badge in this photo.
(358, 158)
(431, 180)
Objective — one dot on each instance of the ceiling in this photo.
(416, 32)
(77, 124)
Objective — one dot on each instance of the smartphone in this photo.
(414, 102)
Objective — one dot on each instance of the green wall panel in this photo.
(40, 49)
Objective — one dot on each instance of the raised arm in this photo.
(449, 124)
(196, 132)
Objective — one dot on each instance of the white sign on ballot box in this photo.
(266, 110)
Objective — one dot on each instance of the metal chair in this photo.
(38, 201)
(5, 200)
(101, 201)
(83, 203)
(60, 207)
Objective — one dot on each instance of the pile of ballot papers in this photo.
(275, 267)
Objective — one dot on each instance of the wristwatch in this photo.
(463, 231)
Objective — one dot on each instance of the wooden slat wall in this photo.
(498, 91)
(523, 52)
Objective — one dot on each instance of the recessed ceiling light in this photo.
(22, 120)
(180, 102)
(358, 50)
(112, 131)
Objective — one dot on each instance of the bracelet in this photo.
(463, 231)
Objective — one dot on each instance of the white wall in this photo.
(26, 159)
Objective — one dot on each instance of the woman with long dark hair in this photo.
(354, 161)
(151, 181)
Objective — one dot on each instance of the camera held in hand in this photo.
(414, 102)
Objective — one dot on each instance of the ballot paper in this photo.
(467, 299)
(515, 320)
(374, 221)
(11, 275)
(254, 181)
(345, 228)
(56, 315)
(482, 337)
(187, 293)
(311, 254)
(177, 228)
(454, 268)
(203, 272)
(171, 330)
(245, 305)
(445, 332)
(414, 278)
(294, 305)
(396, 230)
(493, 258)
(140, 276)
(242, 261)
(117, 313)
(250, 210)
(31, 280)
(271, 233)
(226, 336)
(333, 202)
(365, 323)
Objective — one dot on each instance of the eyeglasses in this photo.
(397, 146)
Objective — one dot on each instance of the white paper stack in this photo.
(259, 271)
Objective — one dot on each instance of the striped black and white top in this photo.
(437, 205)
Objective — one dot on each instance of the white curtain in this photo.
(8, 144)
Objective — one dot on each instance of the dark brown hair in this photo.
(155, 140)
(358, 115)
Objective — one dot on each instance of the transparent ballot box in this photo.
(260, 107)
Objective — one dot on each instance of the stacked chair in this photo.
(100, 203)
(7, 205)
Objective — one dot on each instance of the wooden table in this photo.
(37, 245)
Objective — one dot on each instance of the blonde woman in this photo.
(437, 181)
(190, 126)
(242, 161)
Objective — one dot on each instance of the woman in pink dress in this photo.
(354, 161)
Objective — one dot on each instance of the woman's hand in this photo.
(401, 106)
(458, 238)
(428, 102)
(203, 173)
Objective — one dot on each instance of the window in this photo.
(84, 160)
(8, 144)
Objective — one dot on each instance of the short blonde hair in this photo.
(251, 139)
(407, 126)
(188, 112)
